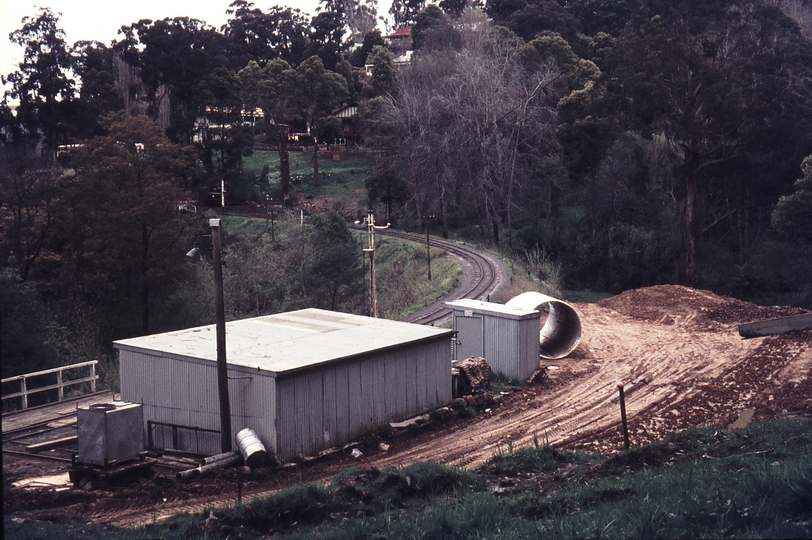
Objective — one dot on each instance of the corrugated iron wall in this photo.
(511, 346)
(336, 404)
(183, 391)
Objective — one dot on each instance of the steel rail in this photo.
(485, 274)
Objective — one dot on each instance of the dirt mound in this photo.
(673, 304)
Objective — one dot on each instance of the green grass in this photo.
(401, 267)
(341, 183)
(402, 277)
(700, 483)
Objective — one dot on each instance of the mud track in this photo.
(675, 350)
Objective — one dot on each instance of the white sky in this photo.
(100, 19)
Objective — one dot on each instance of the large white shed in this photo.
(303, 381)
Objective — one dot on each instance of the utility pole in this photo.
(373, 290)
(220, 324)
(428, 244)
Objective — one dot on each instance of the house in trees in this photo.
(348, 114)
(399, 41)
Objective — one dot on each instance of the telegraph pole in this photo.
(220, 324)
(373, 289)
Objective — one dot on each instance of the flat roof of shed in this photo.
(287, 341)
(479, 306)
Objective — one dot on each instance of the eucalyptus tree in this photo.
(43, 84)
(289, 37)
(98, 96)
(404, 12)
(172, 57)
(254, 35)
(247, 34)
(319, 92)
(727, 85)
(360, 17)
(327, 38)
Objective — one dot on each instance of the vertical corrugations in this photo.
(258, 404)
(444, 367)
(422, 379)
(355, 398)
(529, 349)
(378, 392)
(302, 427)
(412, 384)
(331, 432)
(286, 418)
(404, 386)
(315, 406)
(343, 409)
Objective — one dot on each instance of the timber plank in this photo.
(776, 326)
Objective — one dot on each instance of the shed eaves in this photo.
(480, 306)
(288, 341)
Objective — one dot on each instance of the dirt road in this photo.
(675, 350)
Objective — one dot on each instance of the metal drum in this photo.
(252, 450)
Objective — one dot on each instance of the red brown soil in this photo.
(676, 351)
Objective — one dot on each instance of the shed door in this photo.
(469, 337)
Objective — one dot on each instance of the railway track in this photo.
(483, 275)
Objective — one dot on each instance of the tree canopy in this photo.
(633, 142)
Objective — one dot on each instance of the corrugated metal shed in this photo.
(303, 380)
(508, 337)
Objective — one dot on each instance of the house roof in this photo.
(404, 32)
(288, 342)
(347, 111)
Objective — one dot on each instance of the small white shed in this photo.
(507, 337)
(303, 381)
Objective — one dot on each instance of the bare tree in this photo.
(468, 122)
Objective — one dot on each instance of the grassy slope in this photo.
(341, 183)
(705, 482)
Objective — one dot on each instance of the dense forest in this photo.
(632, 142)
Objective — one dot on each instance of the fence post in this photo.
(60, 389)
(623, 417)
(93, 378)
(25, 393)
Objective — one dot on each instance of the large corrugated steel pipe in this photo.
(561, 332)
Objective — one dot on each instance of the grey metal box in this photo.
(110, 433)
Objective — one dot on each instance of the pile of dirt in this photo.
(676, 304)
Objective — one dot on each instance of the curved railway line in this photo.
(483, 276)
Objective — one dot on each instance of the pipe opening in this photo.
(561, 332)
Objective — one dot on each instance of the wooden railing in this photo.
(60, 385)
